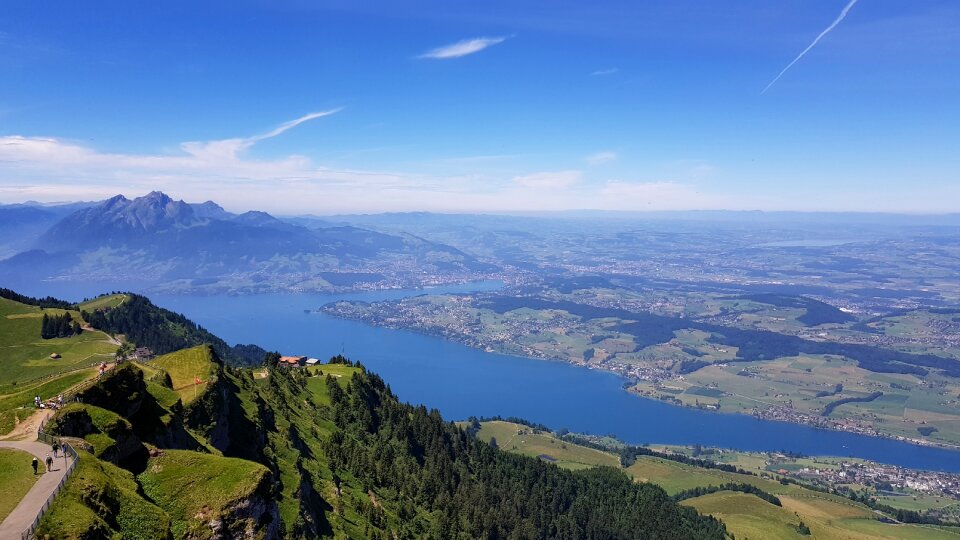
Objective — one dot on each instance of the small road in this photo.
(25, 512)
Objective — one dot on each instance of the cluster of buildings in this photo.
(296, 361)
(885, 478)
(789, 414)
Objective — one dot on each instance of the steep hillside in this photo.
(326, 452)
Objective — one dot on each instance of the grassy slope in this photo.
(177, 491)
(523, 440)
(107, 301)
(26, 369)
(26, 356)
(16, 478)
(188, 485)
(747, 516)
(108, 423)
(99, 500)
(828, 516)
(183, 366)
(346, 519)
(18, 404)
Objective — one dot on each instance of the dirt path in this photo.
(27, 429)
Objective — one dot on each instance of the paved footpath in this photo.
(25, 512)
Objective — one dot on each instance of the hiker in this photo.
(60, 400)
(55, 448)
(49, 462)
(35, 464)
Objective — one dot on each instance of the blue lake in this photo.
(462, 382)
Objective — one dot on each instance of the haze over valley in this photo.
(504, 271)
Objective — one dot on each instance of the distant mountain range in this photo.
(155, 241)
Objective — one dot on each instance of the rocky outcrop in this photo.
(122, 390)
(109, 437)
(254, 518)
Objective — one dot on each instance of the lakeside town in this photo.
(887, 479)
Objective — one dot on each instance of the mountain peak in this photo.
(158, 197)
(210, 210)
(256, 218)
(120, 220)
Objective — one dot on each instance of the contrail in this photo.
(805, 51)
(292, 124)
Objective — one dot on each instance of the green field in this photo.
(184, 367)
(25, 356)
(526, 441)
(16, 478)
(747, 516)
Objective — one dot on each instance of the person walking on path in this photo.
(35, 465)
(23, 515)
(49, 461)
(55, 448)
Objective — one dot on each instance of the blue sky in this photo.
(492, 106)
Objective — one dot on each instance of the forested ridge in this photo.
(481, 492)
(45, 302)
(164, 331)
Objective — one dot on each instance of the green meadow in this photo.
(25, 356)
(16, 478)
(184, 367)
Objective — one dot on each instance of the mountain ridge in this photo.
(156, 241)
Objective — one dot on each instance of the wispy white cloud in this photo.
(608, 71)
(601, 158)
(548, 180)
(230, 149)
(833, 25)
(462, 48)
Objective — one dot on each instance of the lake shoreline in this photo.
(452, 337)
(463, 381)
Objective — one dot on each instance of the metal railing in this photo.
(68, 396)
(67, 450)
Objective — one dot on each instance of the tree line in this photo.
(741, 487)
(59, 326)
(476, 491)
(45, 302)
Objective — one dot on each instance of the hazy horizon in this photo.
(580, 213)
